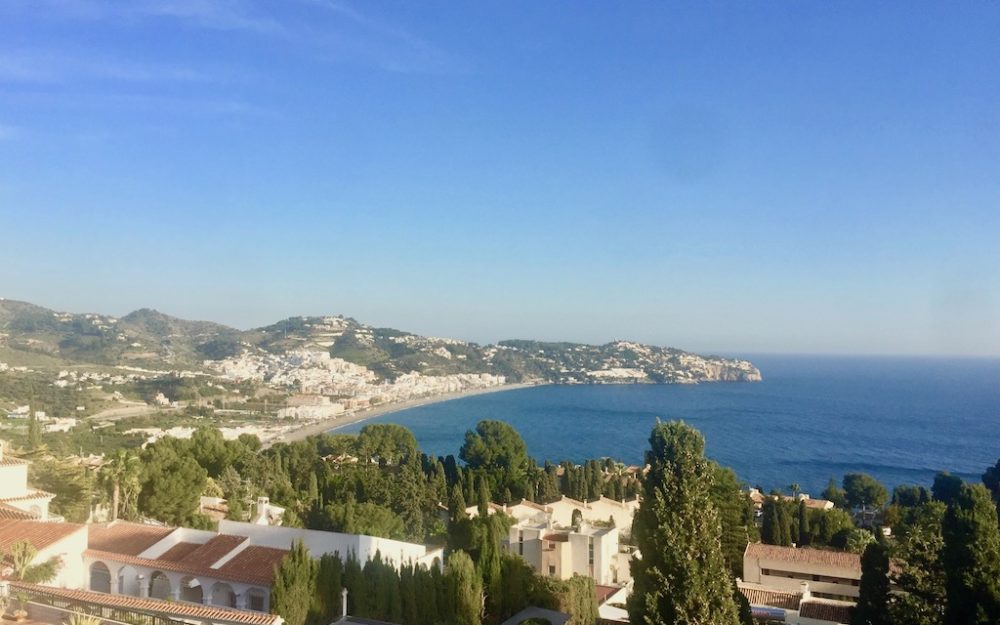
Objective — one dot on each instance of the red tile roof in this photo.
(254, 565)
(210, 553)
(603, 592)
(7, 461)
(825, 611)
(804, 555)
(154, 606)
(124, 537)
(178, 552)
(10, 512)
(38, 533)
(32, 494)
(771, 598)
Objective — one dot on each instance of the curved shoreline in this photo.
(327, 425)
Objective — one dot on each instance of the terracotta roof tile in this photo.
(38, 533)
(32, 494)
(211, 552)
(7, 461)
(825, 611)
(772, 598)
(603, 592)
(254, 565)
(125, 537)
(10, 512)
(178, 552)
(154, 606)
(804, 555)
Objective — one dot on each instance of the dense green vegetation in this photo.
(944, 548)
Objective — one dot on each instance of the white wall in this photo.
(318, 543)
(71, 573)
(13, 480)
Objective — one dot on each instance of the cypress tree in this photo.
(456, 504)
(483, 497)
(681, 576)
(784, 524)
(294, 585)
(770, 531)
(465, 590)
(873, 595)
(971, 558)
(803, 524)
(326, 599)
(34, 434)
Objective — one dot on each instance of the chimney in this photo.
(343, 603)
(804, 589)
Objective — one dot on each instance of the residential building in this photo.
(830, 574)
(796, 608)
(17, 499)
(601, 510)
(65, 542)
(563, 552)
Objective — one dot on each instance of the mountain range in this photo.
(151, 339)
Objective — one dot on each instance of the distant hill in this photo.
(152, 339)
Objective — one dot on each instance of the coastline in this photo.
(325, 425)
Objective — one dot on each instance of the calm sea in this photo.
(899, 419)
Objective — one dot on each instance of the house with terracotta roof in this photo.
(64, 542)
(832, 575)
(54, 606)
(231, 568)
(796, 608)
(17, 499)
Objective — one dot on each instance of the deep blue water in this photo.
(899, 419)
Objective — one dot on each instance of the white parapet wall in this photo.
(364, 548)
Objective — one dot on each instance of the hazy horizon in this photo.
(724, 178)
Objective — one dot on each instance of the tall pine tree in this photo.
(681, 576)
(873, 597)
(971, 557)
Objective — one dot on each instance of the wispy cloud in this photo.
(215, 14)
(328, 30)
(388, 45)
(62, 66)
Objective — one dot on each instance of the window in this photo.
(520, 543)
(255, 599)
(590, 551)
(552, 570)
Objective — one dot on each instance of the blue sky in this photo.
(728, 177)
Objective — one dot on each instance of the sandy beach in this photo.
(318, 427)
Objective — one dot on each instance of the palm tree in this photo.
(796, 489)
(22, 555)
(120, 474)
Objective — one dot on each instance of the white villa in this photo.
(600, 510)
(17, 500)
(544, 535)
